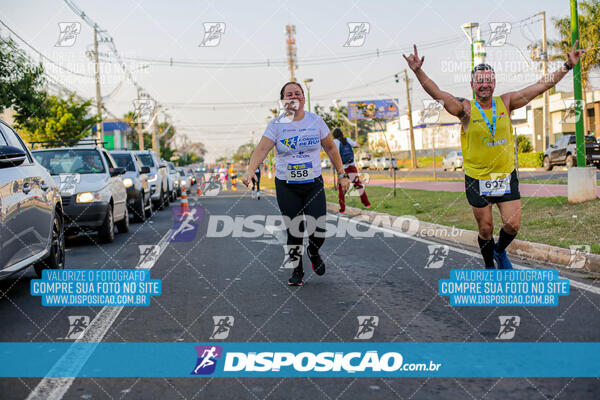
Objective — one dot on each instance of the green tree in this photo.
(20, 83)
(243, 153)
(63, 120)
(524, 144)
(589, 36)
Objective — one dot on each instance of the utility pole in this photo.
(155, 145)
(413, 156)
(100, 126)
(290, 30)
(579, 134)
(139, 122)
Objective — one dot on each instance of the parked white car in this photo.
(363, 163)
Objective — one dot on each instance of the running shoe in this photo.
(258, 195)
(296, 278)
(502, 260)
(317, 263)
(368, 206)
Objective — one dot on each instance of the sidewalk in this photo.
(526, 189)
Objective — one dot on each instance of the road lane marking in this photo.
(73, 360)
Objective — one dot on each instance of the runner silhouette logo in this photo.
(508, 326)
(77, 326)
(366, 326)
(207, 359)
(223, 324)
(186, 224)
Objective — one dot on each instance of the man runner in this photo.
(488, 148)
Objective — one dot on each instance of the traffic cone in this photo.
(199, 191)
(185, 207)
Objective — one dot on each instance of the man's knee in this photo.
(486, 230)
(512, 227)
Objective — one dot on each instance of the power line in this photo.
(41, 54)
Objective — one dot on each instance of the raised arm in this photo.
(454, 105)
(522, 97)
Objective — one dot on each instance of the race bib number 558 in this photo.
(300, 173)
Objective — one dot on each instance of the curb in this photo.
(521, 248)
(538, 252)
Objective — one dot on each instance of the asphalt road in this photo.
(241, 277)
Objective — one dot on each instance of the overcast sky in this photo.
(201, 101)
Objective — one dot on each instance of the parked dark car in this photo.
(93, 195)
(31, 213)
(564, 152)
(135, 180)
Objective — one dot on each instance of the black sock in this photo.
(504, 240)
(487, 251)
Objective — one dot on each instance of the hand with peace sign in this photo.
(414, 62)
(575, 54)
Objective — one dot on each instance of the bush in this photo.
(531, 160)
(523, 144)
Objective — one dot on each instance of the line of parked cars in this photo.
(48, 194)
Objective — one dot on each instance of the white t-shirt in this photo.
(298, 142)
(352, 143)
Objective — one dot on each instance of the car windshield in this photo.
(70, 161)
(146, 160)
(124, 161)
(181, 173)
(459, 153)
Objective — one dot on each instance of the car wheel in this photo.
(149, 208)
(139, 212)
(546, 164)
(123, 225)
(570, 161)
(106, 233)
(56, 257)
(161, 200)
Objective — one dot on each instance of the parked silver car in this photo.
(174, 189)
(93, 194)
(31, 214)
(185, 180)
(452, 160)
(158, 178)
(135, 180)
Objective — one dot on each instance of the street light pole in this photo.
(308, 83)
(470, 26)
